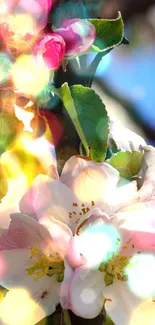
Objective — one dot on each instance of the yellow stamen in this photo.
(45, 265)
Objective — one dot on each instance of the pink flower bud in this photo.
(78, 34)
(51, 50)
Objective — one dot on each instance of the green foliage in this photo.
(127, 163)
(90, 118)
(10, 128)
(72, 111)
(109, 32)
(5, 67)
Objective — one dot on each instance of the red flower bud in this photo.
(50, 49)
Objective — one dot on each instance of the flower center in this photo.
(115, 267)
(50, 265)
(79, 211)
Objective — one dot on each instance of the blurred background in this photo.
(125, 77)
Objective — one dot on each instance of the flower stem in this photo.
(66, 317)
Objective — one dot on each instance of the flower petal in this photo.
(50, 196)
(86, 292)
(24, 232)
(60, 232)
(16, 262)
(28, 301)
(10, 203)
(121, 303)
(119, 198)
(96, 237)
(148, 174)
(64, 293)
(89, 180)
(124, 138)
(139, 221)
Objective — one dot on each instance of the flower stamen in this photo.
(49, 265)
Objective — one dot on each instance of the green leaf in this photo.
(87, 109)
(10, 128)
(110, 33)
(93, 118)
(72, 111)
(5, 67)
(127, 163)
(108, 279)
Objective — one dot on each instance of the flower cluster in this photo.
(85, 240)
(26, 44)
(77, 232)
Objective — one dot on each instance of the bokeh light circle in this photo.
(28, 75)
(141, 271)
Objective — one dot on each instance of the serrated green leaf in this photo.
(90, 118)
(110, 33)
(128, 163)
(72, 111)
(93, 118)
(108, 279)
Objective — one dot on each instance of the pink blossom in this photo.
(38, 9)
(78, 34)
(21, 22)
(50, 49)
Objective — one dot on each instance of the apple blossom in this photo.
(78, 34)
(125, 277)
(61, 214)
(22, 21)
(50, 49)
(37, 9)
(33, 262)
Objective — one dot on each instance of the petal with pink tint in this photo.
(48, 196)
(65, 287)
(27, 203)
(52, 172)
(50, 50)
(139, 221)
(74, 256)
(59, 232)
(24, 232)
(78, 34)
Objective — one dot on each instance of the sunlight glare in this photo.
(26, 74)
